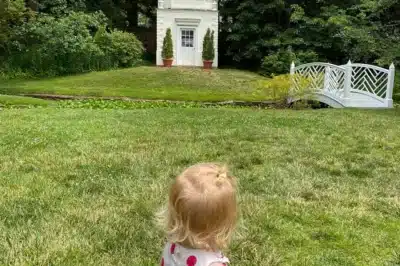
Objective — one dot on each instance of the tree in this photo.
(12, 14)
(59, 7)
(336, 30)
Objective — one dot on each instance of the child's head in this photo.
(202, 209)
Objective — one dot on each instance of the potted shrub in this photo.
(208, 49)
(168, 49)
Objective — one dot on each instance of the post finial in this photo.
(349, 63)
(391, 66)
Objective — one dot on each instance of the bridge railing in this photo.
(343, 82)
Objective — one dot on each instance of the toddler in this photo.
(201, 217)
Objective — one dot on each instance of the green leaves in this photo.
(168, 48)
(208, 46)
(126, 49)
(279, 62)
(74, 43)
(365, 30)
(12, 15)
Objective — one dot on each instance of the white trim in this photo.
(187, 21)
(386, 71)
(318, 64)
(179, 43)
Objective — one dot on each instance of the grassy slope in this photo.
(79, 187)
(149, 83)
(17, 101)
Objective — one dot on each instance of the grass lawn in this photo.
(79, 187)
(11, 100)
(189, 84)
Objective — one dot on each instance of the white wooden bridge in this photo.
(351, 85)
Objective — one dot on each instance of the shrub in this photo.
(57, 46)
(12, 15)
(279, 62)
(208, 46)
(168, 48)
(120, 49)
(304, 57)
(280, 89)
(66, 45)
(126, 49)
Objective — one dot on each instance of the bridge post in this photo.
(292, 68)
(347, 84)
(390, 86)
(327, 78)
(292, 82)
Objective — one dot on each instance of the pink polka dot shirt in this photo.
(176, 255)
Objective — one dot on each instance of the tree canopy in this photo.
(254, 33)
(336, 30)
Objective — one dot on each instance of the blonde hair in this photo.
(202, 209)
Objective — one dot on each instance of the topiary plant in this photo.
(208, 46)
(206, 41)
(211, 46)
(168, 49)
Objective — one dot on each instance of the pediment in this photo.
(187, 21)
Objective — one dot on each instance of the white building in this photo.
(189, 21)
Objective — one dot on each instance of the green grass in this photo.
(10, 100)
(79, 187)
(189, 84)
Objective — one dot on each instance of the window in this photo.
(187, 38)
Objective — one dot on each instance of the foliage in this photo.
(396, 90)
(365, 31)
(127, 50)
(167, 49)
(279, 62)
(206, 41)
(57, 46)
(60, 8)
(65, 45)
(122, 48)
(208, 46)
(12, 15)
(212, 45)
(280, 88)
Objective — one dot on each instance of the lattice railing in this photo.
(344, 82)
(322, 77)
(370, 79)
(335, 81)
(315, 75)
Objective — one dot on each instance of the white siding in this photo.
(188, 4)
(192, 4)
(167, 18)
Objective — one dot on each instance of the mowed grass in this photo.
(187, 84)
(12, 100)
(80, 187)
